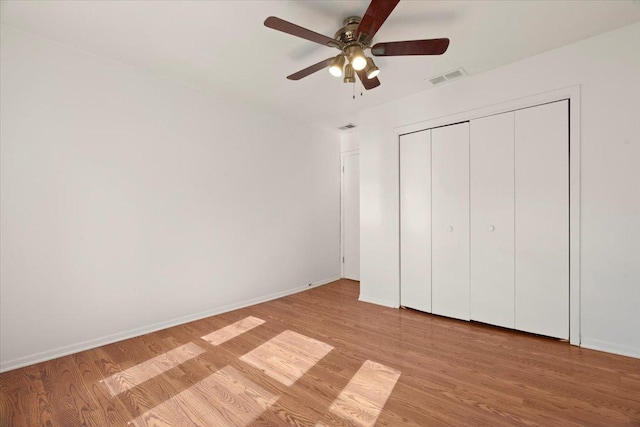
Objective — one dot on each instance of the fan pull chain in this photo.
(354, 91)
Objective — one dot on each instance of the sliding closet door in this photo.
(450, 220)
(542, 219)
(492, 220)
(415, 220)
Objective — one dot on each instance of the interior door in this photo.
(351, 216)
(542, 219)
(492, 220)
(450, 220)
(415, 220)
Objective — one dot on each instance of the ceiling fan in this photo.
(352, 39)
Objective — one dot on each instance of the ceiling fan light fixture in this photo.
(349, 75)
(356, 57)
(371, 70)
(353, 39)
(336, 66)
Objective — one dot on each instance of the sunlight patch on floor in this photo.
(132, 377)
(228, 332)
(362, 400)
(287, 356)
(225, 398)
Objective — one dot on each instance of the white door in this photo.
(492, 220)
(351, 216)
(415, 220)
(450, 220)
(542, 219)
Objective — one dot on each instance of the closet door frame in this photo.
(571, 93)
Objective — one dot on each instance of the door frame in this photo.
(344, 155)
(572, 93)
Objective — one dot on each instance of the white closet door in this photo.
(492, 220)
(351, 217)
(415, 220)
(542, 219)
(450, 220)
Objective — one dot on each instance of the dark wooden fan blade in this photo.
(368, 83)
(298, 31)
(411, 47)
(377, 12)
(310, 70)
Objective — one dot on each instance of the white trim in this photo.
(575, 337)
(131, 333)
(342, 158)
(572, 93)
(378, 301)
(503, 107)
(608, 347)
(318, 283)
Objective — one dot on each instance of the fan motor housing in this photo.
(346, 34)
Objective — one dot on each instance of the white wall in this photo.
(607, 68)
(349, 141)
(129, 203)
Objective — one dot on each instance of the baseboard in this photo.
(608, 347)
(109, 339)
(377, 301)
(324, 282)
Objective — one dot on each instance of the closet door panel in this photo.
(415, 220)
(542, 219)
(450, 220)
(492, 220)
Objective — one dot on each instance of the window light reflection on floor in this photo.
(362, 400)
(287, 356)
(227, 398)
(223, 399)
(132, 377)
(228, 332)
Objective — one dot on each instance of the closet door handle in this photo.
(491, 228)
(450, 229)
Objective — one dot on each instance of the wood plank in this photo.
(12, 387)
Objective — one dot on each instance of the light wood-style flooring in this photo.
(322, 358)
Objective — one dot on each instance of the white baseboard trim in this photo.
(324, 282)
(377, 301)
(131, 333)
(608, 347)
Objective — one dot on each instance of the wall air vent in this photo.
(348, 126)
(451, 75)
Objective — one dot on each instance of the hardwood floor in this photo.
(322, 358)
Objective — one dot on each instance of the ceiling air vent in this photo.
(349, 126)
(451, 75)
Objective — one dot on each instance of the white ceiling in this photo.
(222, 47)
